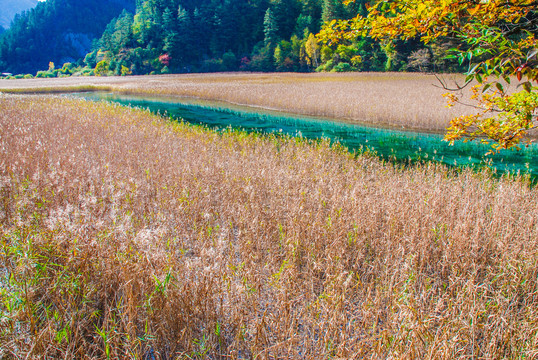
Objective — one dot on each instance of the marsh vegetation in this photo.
(124, 235)
(401, 100)
(396, 145)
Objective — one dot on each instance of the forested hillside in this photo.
(258, 35)
(10, 8)
(208, 35)
(56, 31)
(178, 36)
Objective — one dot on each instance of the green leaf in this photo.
(499, 87)
(486, 87)
(527, 86)
(507, 79)
(478, 52)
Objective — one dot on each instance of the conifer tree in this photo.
(332, 9)
(270, 26)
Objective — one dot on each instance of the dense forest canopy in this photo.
(163, 36)
(56, 31)
(258, 35)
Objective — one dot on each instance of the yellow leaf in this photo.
(473, 11)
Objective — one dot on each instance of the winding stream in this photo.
(387, 143)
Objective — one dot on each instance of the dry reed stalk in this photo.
(127, 236)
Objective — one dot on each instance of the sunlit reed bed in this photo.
(127, 236)
(403, 100)
(396, 145)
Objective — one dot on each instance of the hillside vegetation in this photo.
(112, 37)
(12, 7)
(124, 235)
(57, 31)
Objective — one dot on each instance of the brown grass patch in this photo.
(126, 236)
(402, 100)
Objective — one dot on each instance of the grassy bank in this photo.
(126, 236)
(402, 100)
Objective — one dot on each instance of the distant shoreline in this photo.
(398, 100)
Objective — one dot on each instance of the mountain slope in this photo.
(12, 7)
(56, 30)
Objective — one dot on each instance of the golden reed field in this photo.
(401, 100)
(126, 236)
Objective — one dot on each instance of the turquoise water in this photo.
(389, 144)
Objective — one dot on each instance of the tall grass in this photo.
(401, 100)
(127, 236)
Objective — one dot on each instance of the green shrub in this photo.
(45, 74)
(229, 61)
(101, 69)
(328, 66)
(88, 72)
(125, 71)
(343, 67)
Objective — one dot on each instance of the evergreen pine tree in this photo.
(331, 9)
(286, 13)
(270, 28)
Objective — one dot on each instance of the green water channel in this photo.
(404, 146)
